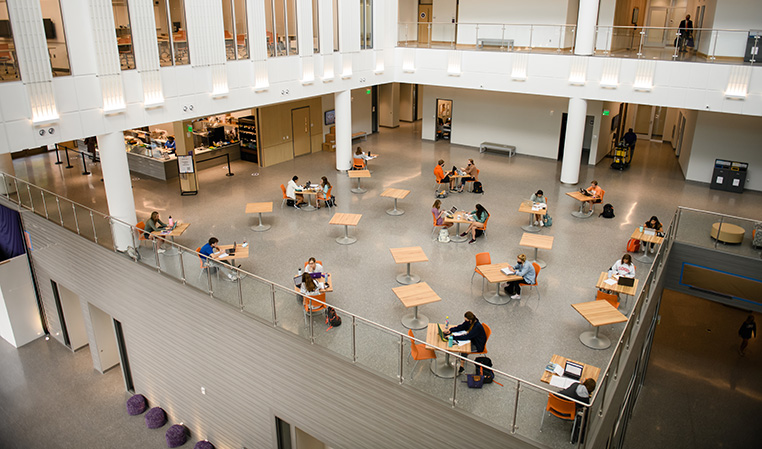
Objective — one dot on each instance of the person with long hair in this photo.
(325, 186)
(471, 171)
(480, 216)
(439, 214)
(309, 285)
(474, 332)
(623, 267)
(656, 225)
(539, 197)
(154, 224)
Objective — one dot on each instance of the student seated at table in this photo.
(440, 174)
(654, 224)
(154, 224)
(325, 187)
(580, 392)
(480, 216)
(439, 214)
(623, 267)
(470, 170)
(313, 266)
(310, 286)
(526, 271)
(539, 197)
(291, 189)
(210, 253)
(474, 332)
(360, 154)
(595, 192)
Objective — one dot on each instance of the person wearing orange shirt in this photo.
(441, 177)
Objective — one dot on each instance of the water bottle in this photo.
(234, 244)
(171, 221)
(299, 272)
(641, 229)
(244, 243)
(447, 322)
(449, 342)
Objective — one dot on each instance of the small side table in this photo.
(397, 194)
(537, 242)
(408, 256)
(358, 174)
(413, 296)
(345, 220)
(259, 208)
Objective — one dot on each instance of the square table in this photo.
(408, 255)
(358, 174)
(584, 200)
(494, 275)
(241, 252)
(458, 217)
(176, 232)
(439, 366)
(309, 193)
(616, 288)
(537, 242)
(590, 371)
(597, 313)
(397, 194)
(528, 207)
(645, 239)
(345, 220)
(415, 295)
(259, 208)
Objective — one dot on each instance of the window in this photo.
(315, 27)
(366, 24)
(56, 38)
(179, 32)
(10, 69)
(236, 34)
(281, 26)
(162, 32)
(123, 34)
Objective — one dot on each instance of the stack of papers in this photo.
(507, 271)
(555, 368)
(610, 281)
(561, 382)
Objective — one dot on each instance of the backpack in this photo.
(487, 373)
(548, 220)
(756, 239)
(442, 194)
(608, 211)
(444, 236)
(332, 319)
(633, 245)
(478, 187)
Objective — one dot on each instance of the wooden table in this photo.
(537, 242)
(441, 367)
(584, 200)
(176, 232)
(616, 288)
(493, 275)
(645, 239)
(415, 295)
(458, 217)
(597, 313)
(241, 252)
(397, 194)
(408, 255)
(526, 207)
(587, 370)
(345, 220)
(359, 174)
(309, 193)
(325, 279)
(259, 208)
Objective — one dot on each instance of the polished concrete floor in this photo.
(525, 332)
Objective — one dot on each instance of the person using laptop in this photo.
(210, 253)
(291, 189)
(310, 286)
(656, 225)
(313, 266)
(527, 273)
(539, 197)
(623, 267)
(595, 192)
(474, 332)
(439, 214)
(580, 392)
(154, 224)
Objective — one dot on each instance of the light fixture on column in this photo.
(644, 75)
(113, 94)
(219, 81)
(261, 80)
(578, 71)
(308, 69)
(328, 72)
(408, 60)
(454, 61)
(347, 61)
(152, 92)
(379, 54)
(519, 66)
(738, 82)
(610, 74)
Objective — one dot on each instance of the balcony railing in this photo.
(709, 44)
(515, 408)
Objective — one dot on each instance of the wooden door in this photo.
(300, 129)
(424, 19)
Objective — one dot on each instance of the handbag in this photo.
(690, 42)
(475, 380)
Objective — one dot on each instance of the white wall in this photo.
(407, 14)
(726, 136)
(362, 102)
(104, 337)
(530, 122)
(75, 321)
(444, 11)
(19, 315)
(406, 102)
(734, 15)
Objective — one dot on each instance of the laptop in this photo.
(626, 281)
(585, 192)
(441, 333)
(573, 370)
(316, 275)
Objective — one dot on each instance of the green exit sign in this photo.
(606, 112)
(367, 91)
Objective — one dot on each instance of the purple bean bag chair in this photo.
(155, 418)
(136, 405)
(203, 445)
(176, 435)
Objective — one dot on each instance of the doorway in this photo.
(300, 127)
(586, 139)
(424, 22)
(105, 338)
(125, 361)
(292, 437)
(444, 119)
(667, 17)
(649, 122)
(70, 315)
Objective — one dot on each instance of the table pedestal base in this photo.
(395, 211)
(592, 340)
(407, 278)
(496, 298)
(457, 238)
(581, 213)
(346, 239)
(414, 320)
(261, 227)
(531, 227)
(644, 258)
(172, 250)
(539, 262)
(359, 188)
(441, 367)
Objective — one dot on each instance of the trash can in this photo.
(729, 175)
(753, 42)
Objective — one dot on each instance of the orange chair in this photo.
(484, 229)
(285, 198)
(481, 259)
(594, 202)
(325, 197)
(560, 408)
(536, 279)
(205, 266)
(488, 331)
(476, 178)
(611, 298)
(319, 262)
(419, 351)
(438, 179)
(142, 235)
(358, 163)
(433, 230)
(312, 304)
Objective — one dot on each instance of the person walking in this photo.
(748, 329)
(686, 32)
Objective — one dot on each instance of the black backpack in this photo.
(488, 375)
(332, 319)
(478, 187)
(608, 211)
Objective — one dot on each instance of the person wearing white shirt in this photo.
(291, 189)
(623, 267)
(313, 266)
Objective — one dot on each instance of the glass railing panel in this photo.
(170, 260)
(420, 374)
(493, 402)
(195, 273)
(85, 222)
(722, 233)
(257, 299)
(377, 349)
(23, 194)
(226, 288)
(67, 214)
(102, 230)
(723, 45)
(290, 313)
(337, 339)
(35, 199)
(531, 423)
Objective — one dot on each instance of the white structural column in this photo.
(587, 18)
(107, 55)
(6, 166)
(575, 132)
(343, 106)
(116, 180)
(145, 44)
